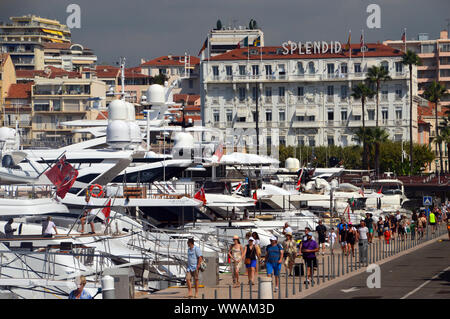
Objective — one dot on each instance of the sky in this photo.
(148, 29)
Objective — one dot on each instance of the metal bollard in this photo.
(306, 276)
(203, 296)
(265, 288)
(339, 265)
(299, 277)
(229, 291)
(318, 272)
(346, 259)
(293, 283)
(323, 269)
(250, 287)
(242, 291)
(108, 287)
(351, 262)
(328, 268)
(215, 294)
(287, 286)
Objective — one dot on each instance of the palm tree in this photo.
(434, 93)
(362, 91)
(376, 75)
(379, 135)
(410, 58)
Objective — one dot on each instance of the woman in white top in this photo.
(332, 238)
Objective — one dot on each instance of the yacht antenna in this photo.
(122, 75)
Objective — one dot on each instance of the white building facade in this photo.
(304, 99)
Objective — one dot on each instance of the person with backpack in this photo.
(290, 248)
(250, 255)
(342, 231)
(309, 249)
(274, 259)
(194, 260)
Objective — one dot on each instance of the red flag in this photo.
(107, 210)
(379, 191)
(299, 182)
(200, 195)
(255, 197)
(62, 175)
(404, 37)
(361, 41)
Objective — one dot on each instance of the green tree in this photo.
(434, 93)
(361, 91)
(376, 75)
(410, 58)
(159, 79)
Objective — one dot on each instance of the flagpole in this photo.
(405, 40)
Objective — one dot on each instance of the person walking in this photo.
(290, 253)
(274, 259)
(80, 293)
(432, 220)
(402, 228)
(257, 244)
(194, 260)
(380, 226)
(250, 256)
(235, 254)
(342, 230)
(331, 239)
(351, 237)
(369, 224)
(309, 249)
(421, 225)
(361, 237)
(321, 232)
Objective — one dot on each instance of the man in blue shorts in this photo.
(273, 259)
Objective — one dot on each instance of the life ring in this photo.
(99, 194)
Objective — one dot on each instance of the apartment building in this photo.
(23, 38)
(305, 99)
(227, 38)
(435, 56)
(67, 56)
(61, 99)
(184, 68)
(17, 111)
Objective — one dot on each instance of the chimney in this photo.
(443, 35)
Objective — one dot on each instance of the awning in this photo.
(52, 32)
(357, 111)
(241, 112)
(300, 112)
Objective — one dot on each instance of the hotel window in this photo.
(330, 93)
(282, 116)
(344, 92)
(398, 92)
(300, 118)
(229, 70)
(428, 48)
(255, 69)
(300, 91)
(241, 94)
(384, 115)
(215, 70)
(311, 118)
(254, 93)
(330, 115)
(357, 67)
(311, 68)
(330, 140)
(254, 116)
(330, 68)
(281, 94)
(301, 140)
(384, 93)
(269, 142)
(242, 70)
(444, 47)
(356, 117)
(371, 115)
(229, 116)
(385, 65)
(216, 116)
(344, 140)
(399, 67)
(344, 115)
(281, 71)
(282, 140)
(241, 119)
(344, 68)
(268, 69)
(312, 141)
(268, 95)
(269, 116)
(300, 69)
(162, 71)
(398, 114)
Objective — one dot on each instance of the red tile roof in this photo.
(189, 99)
(270, 53)
(50, 72)
(102, 115)
(20, 91)
(107, 71)
(172, 61)
(3, 58)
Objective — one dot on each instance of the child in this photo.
(332, 238)
(387, 235)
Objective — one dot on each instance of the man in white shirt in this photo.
(361, 236)
(49, 228)
(287, 229)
